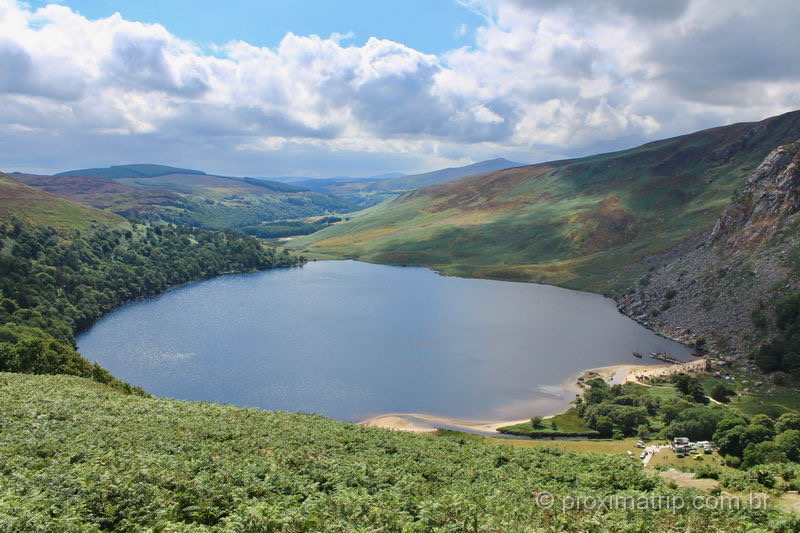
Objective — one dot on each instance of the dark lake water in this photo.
(350, 340)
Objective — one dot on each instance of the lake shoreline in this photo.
(468, 362)
(613, 374)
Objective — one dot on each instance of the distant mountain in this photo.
(186, 196)
(388, 175)
(586, 223)
(301, 179)
(370, 191)
(415, 181)
(143, 170)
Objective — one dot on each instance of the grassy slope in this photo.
(104, 193)
(42, 208)
(567, 422)
(77, 456)
(575, 222)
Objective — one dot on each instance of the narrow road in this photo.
(650, 451)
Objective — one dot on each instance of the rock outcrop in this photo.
(769, 194)
(721, 286)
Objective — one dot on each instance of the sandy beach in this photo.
(422, 423)
(615, 374)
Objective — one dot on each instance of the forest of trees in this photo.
(628, 410)
(783, 352)
(53, 286)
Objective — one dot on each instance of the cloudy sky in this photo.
(360, 87)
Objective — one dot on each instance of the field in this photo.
(670, 459)
(582, 223)
(615, 447)
(78, 456)
(568, 422)
(663, 458)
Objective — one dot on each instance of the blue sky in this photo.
(271, 88)
(430, 26)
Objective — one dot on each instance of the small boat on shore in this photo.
(637, 354)
(654, 355)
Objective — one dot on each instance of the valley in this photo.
(464, 266)
(665, 229)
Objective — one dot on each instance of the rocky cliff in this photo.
(720, 286)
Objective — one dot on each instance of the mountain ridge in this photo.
(184, 196)
(134, 170)
(371, 191)
(582, 223)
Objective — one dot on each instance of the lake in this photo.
(349, 340)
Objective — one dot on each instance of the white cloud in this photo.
(544, 78)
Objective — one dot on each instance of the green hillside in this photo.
(109, 194)
(190, 197)
(37, 207)
(576, 222)
(78, 456)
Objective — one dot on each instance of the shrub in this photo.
(721, 393)
(787, 421)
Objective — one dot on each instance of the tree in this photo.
(681, 382)
(763, 420)
(697, 423)
(721, 393)
(604, 427)
(690, 386)
(595, 394)
(628, 418)
(789, 443)
(731, 440)
(762, 453)
(787, 421)
(757, 433)
(536, 422)
(674, 409)
(768, 357)
(790, 362)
